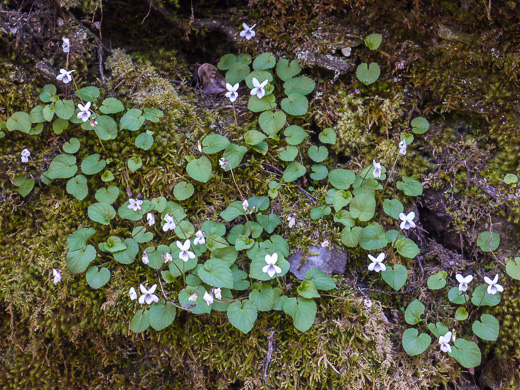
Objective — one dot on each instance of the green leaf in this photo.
(140, 321)
(216, 228)
(393, 207)
(488, 328)
(318, 154)
(161, 315)
(262, 295)
(456, 296)
(307, 290)
(467, 353)
(243, 242)
(268, 102)
(437, 281)
(78, 239)
(96, 277)
(234, 155)
(92, 164)
(372, 237)
(20, 121)
(295, 104)
(48, 91)
(48, 112)
(216, 273)
(64, 109)
(328, 136)
(363, 207)
(127, 255)
(368, 74)
(242, 315)
(461, 314)
(321, 280)
(234, 210)
(260, 203)
(413, 312)
(513, 268)
(214, 143)
(239, 276)
(303, 312)
(153, 114)
(258, 263)
(106, 127)
(373, 41)
(260, 75)
(89, 94)
(488, 242)
(237, 72)
(269, 222)
(254, 137)
(407, 248)
(344, 217)
(319, 172)
(301, 85)
(319, 212)
(77, 187)
(114, 244)
(72, 146)
(107, 195)
(295, 135)
(287, 70)
(420, 125)
(101, 212)
(134, 163)
(272, 122)
(226, 61)
(183, 190)
(396, 277)
(488, 300)
(294, 171)
(414, 344)
(79, 260)
(111, 106)
(58, 125)
(264, 61)
(132, 120)
(410, 186)
(140, 235)
(25, 187)
(37, 114)
(438, 329)
(350, 237)
(342, 179)
(144, 141)
(510, 178)
(407, 137)
(63, 166)
(200, 169)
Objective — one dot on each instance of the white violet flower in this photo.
(150, 218)
(193, 297)
(199, 239)
(248, 31)
(377, 169)
(245, 205)
(56, 273)
(25, 155)
(407, 220)
(185, 253)
(148, 295)
(271, 268)
(93, 122)
(170, 223)
(223, 163)
(377, 263)
(84, 111)
(133, 294)
(493, 287)
(292, 220)
(444, 341)
(65, 75)
(167, 257)
(258, 89)
(134, 204)
(218, 293)
(463, 281)
(232, 93)
(146, 260)
(402, 147)
(66, 44)
(208, 298)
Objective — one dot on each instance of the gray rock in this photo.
(324, 259)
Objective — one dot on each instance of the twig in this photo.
(270, 340)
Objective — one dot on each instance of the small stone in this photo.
(322, 258)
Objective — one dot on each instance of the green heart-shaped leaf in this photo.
(413, 344)
(62, 166)
(467, 353)
(242, 315)
(396, 277)
(420, 125)
(72, 146)
(368, 74)
(303, 312)
(262, 296)
(101, 212)
(302, 85)
(437, 281)
(214, 143)
(413, 312)
(264, 61)
(140, 321)
(318, 154)
(127, 256)
(111, 106)
(295, 135)
(107, 195)
(77, 187)
(488, 242)
(294, 171)
(295, 104)
(78, 260)
(96, 277)
(272, 122)
(144, 141)
(183, 190)
(135, 163)
(92, 164)
(488, 328)
(513, 268)
(216, 273)
(161, 315)
(373, 41)
(328, 136)
(287, 70)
